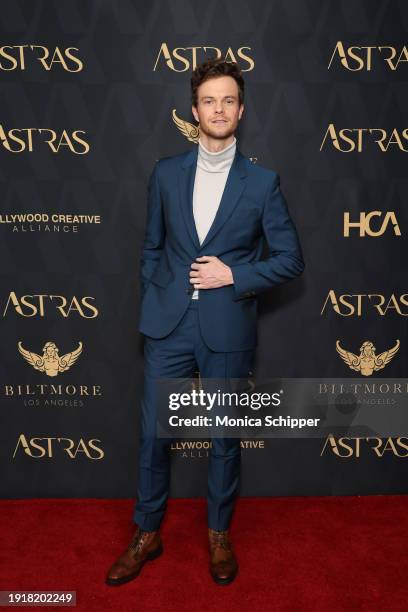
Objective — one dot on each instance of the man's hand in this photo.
(210, 274)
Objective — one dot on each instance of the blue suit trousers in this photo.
(179, 355)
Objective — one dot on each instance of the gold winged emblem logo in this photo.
(367, 362)
(189, 130)
(50, 362)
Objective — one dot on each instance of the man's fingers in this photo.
(205, 258)
(197, 282)
(196, 266)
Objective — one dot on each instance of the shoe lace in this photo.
(138, 540)
(220, 538)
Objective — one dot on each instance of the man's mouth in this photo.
(219, 121)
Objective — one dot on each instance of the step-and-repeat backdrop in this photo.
(92, 93)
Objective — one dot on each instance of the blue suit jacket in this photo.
(252, 210)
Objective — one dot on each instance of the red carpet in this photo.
(295, 554)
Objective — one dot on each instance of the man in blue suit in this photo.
(210, 213)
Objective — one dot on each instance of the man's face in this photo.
(218, 110)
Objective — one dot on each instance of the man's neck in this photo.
(216, 161)
(216, 144)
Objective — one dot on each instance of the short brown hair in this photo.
(215, 67)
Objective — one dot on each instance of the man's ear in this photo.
(195, 114)
(241, 110)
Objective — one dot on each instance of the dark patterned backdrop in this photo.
(87, 93)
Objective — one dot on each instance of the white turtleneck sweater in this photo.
(211, 176)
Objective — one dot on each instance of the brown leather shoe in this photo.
(145, 546)
(223, 563)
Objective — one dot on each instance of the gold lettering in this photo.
(76, 60)
(391, 56)
(246, 57)
(12, 59)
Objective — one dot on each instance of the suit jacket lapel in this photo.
(186, 187)
(234, 187)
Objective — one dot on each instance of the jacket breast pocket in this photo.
(247, 214)
(245, 225)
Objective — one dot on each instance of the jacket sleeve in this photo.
(284, 260)
(155, 231)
